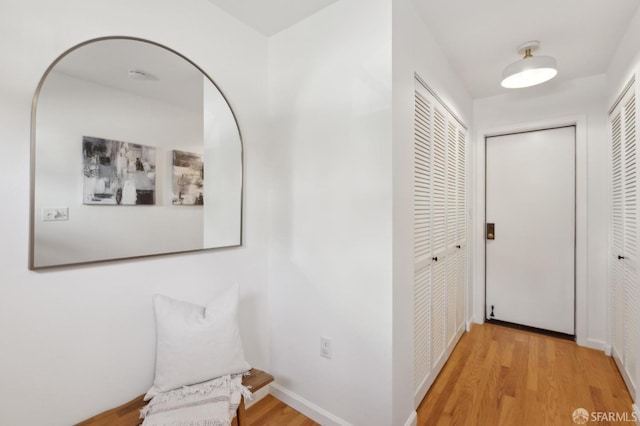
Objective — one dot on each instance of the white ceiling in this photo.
(480, 38)
(107, 62)
(271, 16)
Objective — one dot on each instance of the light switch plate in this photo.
(55, 214)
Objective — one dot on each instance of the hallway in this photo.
(502, 376)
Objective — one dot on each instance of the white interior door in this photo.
(530, 197)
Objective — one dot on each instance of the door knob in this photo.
(620, 257)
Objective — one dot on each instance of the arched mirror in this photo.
(135, 152)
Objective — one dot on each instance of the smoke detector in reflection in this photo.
(141, 75)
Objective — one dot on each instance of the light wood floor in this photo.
(502, 376)
(495, 376)
(270, 411)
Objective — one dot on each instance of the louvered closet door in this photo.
(422, 238)
(631, 299)
(617, 216)
(438, 302)
(451, 259)
(461, 228)
(439, 235)
(624, 239)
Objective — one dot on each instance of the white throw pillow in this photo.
(196, 343)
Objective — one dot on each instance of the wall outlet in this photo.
(325, 347)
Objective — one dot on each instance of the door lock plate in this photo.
(491, 235)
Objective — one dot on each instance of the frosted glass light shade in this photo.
(529, 72)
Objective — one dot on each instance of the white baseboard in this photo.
(631, 387)
(636, 410)
(468, 325)
(306, 407)
(598, 345)
(412, 420)
(478, 319)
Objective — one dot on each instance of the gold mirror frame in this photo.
(32, 175)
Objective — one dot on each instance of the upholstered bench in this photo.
(129, 414)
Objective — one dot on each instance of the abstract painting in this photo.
(188, 179)
(118, 173)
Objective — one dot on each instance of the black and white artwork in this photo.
(119, 173)
(188, 179)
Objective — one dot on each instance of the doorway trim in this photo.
(478, 242)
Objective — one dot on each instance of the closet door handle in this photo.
(620, 257)
(457, 246)
(435, 258)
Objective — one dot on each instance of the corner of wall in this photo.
(626, 60)
(412, 420)
(330, 212)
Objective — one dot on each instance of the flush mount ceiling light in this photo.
(530, 70)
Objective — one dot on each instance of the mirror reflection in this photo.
(135, 152)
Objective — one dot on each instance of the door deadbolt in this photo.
(491, 227)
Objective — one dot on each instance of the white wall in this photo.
(330, 212)
(625, 61)
(549, 104)
(76, 341)
(414, 51)
(624, 65)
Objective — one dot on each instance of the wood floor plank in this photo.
(503, 376)
(270, 411)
